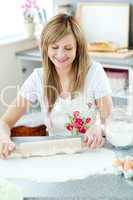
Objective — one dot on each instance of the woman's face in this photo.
(62, 53)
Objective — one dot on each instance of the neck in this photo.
(64, 76)
(65, 80)
(64, 73)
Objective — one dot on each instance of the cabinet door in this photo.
(27, 68)
(119, 81)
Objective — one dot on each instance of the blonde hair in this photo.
(56, 29)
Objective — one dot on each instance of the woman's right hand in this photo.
(14, 112)
(6, 146)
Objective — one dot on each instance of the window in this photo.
(48, 6)
(11, 18)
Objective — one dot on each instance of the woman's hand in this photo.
(96, 140)
(6, 146)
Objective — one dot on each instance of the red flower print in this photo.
(88, 120)
(82, 130)
(78, 123)
(69, 127)
(76, 114)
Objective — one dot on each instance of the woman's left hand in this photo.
(96, 140)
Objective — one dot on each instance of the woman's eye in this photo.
(54, 47)
(68, 49)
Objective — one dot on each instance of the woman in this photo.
(68, 82)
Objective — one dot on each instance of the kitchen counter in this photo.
(94, 187)
(97, 187)
(30, 54)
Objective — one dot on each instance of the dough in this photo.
(48, 147)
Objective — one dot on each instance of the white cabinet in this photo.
(27, 64)
(121, 81)
(26, 67)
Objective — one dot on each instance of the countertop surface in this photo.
(94, 187)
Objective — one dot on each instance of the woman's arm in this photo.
(10, 117)
(104, 106)
(15, 111)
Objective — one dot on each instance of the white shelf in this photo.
(121, 94)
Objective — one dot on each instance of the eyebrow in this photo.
(67, 45)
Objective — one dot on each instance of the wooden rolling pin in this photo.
(68, 145)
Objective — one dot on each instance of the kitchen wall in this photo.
(74, 3)
(9, 70)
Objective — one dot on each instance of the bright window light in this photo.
(11, 18)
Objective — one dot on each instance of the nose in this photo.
(60, 53)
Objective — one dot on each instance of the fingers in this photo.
(6, 149)
(102, 142)
(95, 141)
(85, 140)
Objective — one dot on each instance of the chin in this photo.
(62, 65)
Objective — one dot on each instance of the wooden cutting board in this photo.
(120, 54)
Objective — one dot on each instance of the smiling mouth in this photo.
(61, 60)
